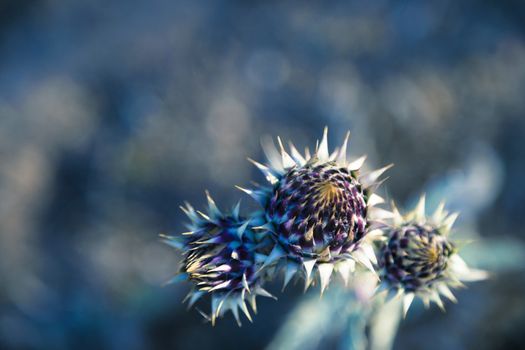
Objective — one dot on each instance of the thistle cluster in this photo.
(318, 217)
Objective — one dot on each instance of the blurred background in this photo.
(112, 113)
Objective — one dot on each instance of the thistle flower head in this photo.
(222, 256)
(319, 209)
(419, 259)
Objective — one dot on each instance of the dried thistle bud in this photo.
(319, 209)
(419, 259)
(222, 256)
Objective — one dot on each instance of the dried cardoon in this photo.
(418, 258)
(223, 256)
(318, 209)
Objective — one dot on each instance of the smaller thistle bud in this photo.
(418, 259)
(319, 209)
(222, 256)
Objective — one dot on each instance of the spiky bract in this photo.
(319, 209)
(418, 258)
(222, 256)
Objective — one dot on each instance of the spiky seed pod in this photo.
(419, 259)
(319, 208)
(222, 256)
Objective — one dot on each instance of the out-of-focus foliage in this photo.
(113, 113)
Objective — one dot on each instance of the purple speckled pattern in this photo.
(414, 257)
(318, 211)
(223, 261)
